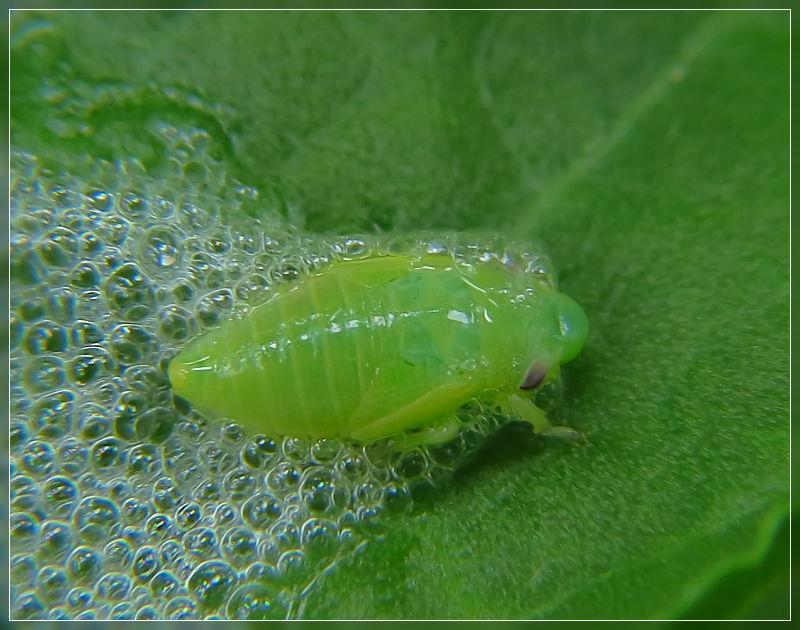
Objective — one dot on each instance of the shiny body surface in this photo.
(371, 348)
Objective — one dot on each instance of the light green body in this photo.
(378, 347)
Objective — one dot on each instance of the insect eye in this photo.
(534, 376)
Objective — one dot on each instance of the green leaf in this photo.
(649, 150)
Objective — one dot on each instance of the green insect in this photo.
(385, 346)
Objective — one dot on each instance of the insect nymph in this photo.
(384, 346)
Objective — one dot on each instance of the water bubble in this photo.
(27, 267)
(52, 414)
(224, 514)
(208, 491)
(239, 545)
(240, 483)
(84, 565)
(165, 494)
(113, 586)
(131, 344)
(80, 598)
(285, 534)
(155, 424)
(164, 584)
(296, 449)
(56, 540)
(411, 465)
(118, 554)
(261, 511)
(325, 450)
(254, 602)
(90, 243)
(217, 244)
(320, 538)
(217, 460)
(283, 478)
(200, 542)
(260, 452)
(22, 571)
(85, 275)
(93, 422)
(145, 378)
(146, 564)
(45, 336)
(23, 528)
(38, 459)
(368, 493)
(251, 288)
(293, 567)
(100, 200)
(353, 249)
(162, 207)
(73, 456)
(134, 206)
(396, 497)
(188, 515)
(160, 526)
(232, 433)
(18, 434)
(44, 373)
(211, 582)
(31, 310)
(162, 248)
(147, 613)
(353, 467)
(113, 230)
(212, 307)
(109, 455)
(130, 292)
(28, 606)
(184, 291)
(144, 459)
(176, 323)
(320, 491)
(61, 305)
(24, 493)
(89, 366)
(126, 412)
(58, 247)
(246, 242)
(61, 495)
(181, 608)
(95, 518)
(170, 552)
(286, 271)
(52, 584)
(134, 511)
(121, 612)
(84, 333)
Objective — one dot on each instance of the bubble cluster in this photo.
(125, 502)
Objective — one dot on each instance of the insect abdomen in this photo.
(298, 364)
(331, 354)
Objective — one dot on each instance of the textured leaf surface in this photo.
(648, 150)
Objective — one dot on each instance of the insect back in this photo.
(388, 345)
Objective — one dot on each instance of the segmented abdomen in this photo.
(332, 353)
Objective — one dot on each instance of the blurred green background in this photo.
(649, 150)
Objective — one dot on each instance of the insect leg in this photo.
(438, 434)
(523, 409)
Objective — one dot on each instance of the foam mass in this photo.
(125, 502)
